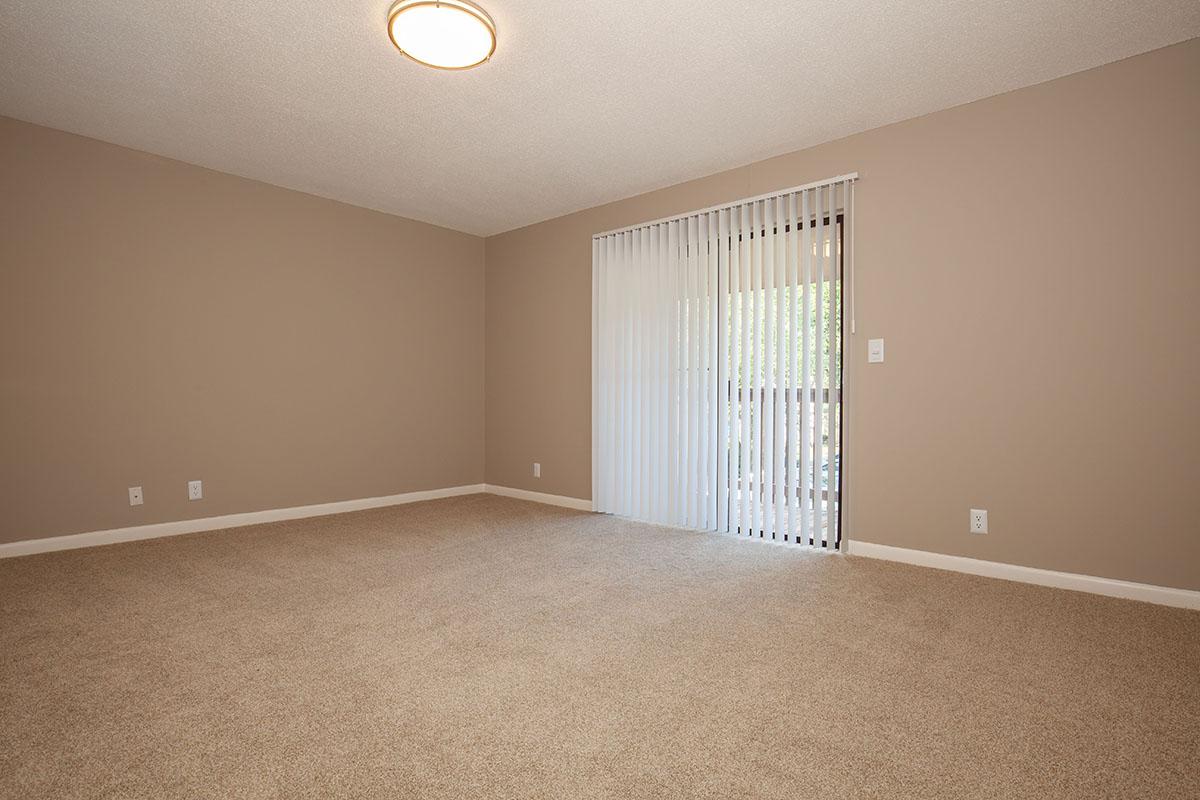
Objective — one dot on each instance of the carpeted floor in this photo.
(481, 647)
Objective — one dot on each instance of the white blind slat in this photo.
(674, 473)
(779, 388)
(704, 328)
(793, 405)
(745, 363)
(659, 405)
(806, 341)
(768, 351)
(637, 347)
(737, 343)
(722, 321)
(834, 372)
(819, 371)
(692, 395)
(756, 371)
(611, 321)
(715, 336)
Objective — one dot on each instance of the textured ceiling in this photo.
(584, 102)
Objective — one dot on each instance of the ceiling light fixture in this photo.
(446, 34)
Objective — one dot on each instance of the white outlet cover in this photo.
(135, 495)
(979, 522)
(195, 490)
(875, 351)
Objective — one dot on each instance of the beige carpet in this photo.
(482, 647)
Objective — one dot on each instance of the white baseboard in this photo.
(1162, 595)
(1149, 593)
(115, 535)
(541, 497)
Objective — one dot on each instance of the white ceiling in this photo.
(584, 102)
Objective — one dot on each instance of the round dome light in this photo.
(446, 34)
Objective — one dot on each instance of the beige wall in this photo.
(160, 322)
(1033, 261)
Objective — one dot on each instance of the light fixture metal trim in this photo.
(461, 6)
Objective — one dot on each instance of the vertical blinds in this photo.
(717, 366)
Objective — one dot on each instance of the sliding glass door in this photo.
(717, 374)
(783, 343)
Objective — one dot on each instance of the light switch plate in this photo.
(875, 351)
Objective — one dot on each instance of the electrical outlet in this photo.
(979, 520)
(537, 470)
(875, 351)
(135, 495)
(195, 490)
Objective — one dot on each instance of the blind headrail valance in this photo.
(850, 176)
